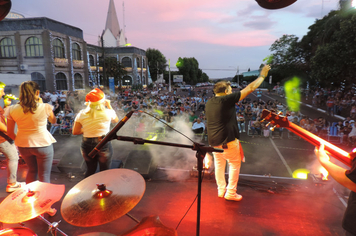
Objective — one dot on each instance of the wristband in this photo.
(263, 76)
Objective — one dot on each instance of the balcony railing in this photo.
(78, 64)
(61, 62)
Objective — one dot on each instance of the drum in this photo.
(97, 234)
(19, 231)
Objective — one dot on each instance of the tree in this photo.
(189, 68)
(156, 61)
(288, 58)
(335, 58)
(114, 68)
(204, 77)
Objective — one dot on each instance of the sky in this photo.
(224, 36)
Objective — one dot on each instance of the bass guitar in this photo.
(278, 121)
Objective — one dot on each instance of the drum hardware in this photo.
(52, 227)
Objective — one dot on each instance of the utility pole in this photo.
(238, 79)
(103, 55)
(157, 71)
(169, 75)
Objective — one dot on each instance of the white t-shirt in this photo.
(53, 97)
(95, 127)
(31, 128)
(197, 125)
(63, 97)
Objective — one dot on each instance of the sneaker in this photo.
(233, 197)
(11, 188)
(221, 193)
(51, 211)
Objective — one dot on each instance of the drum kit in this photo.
(96, 200)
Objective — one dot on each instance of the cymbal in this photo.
(151, 225)
(103, 197)
(30, 201)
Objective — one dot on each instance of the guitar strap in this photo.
(5, 136)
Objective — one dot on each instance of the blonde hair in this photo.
(94, 107)
(28, 100)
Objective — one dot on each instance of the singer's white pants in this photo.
(233, 157)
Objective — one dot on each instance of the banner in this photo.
(112, 84)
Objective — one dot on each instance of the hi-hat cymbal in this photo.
(103, 197)
(29, 202)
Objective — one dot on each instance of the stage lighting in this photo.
(5, 6)
(275, 4)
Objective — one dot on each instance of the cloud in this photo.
(213, 31)
(260, 23)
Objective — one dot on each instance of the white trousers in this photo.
(233, 157)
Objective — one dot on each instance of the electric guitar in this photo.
(279, 121)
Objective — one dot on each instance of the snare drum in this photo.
(19, 231)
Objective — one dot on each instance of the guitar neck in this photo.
(334, 151)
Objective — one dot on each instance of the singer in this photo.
(94, 123)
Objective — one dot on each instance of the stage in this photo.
(270, 206)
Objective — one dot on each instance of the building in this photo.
(57, 57)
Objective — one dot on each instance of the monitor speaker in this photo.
(72, 161)
(142, 162)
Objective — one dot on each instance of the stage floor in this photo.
(270, 206)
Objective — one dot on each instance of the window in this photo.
(143, 63)
(127, 62)
(7, 48)
(61, 81)
(39, 79)
(138, 63)
(78, 81)
(91, 60)
(58, 48)
(34, 47)
(77, 55)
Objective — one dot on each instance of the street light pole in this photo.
(238, 79)
(169, 75)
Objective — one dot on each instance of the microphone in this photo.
(110, 135)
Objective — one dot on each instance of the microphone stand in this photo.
(201, 152)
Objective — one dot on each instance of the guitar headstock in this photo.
(275, 120)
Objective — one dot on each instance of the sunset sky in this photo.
(222, 35)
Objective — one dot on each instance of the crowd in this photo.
(168, 107)
(337, 101)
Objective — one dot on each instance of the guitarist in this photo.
(8, 149)
(346, 178)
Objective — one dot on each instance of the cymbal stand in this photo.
(133, 218)
(53, 227)
(201, 151)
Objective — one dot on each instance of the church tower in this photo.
(113, 36)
